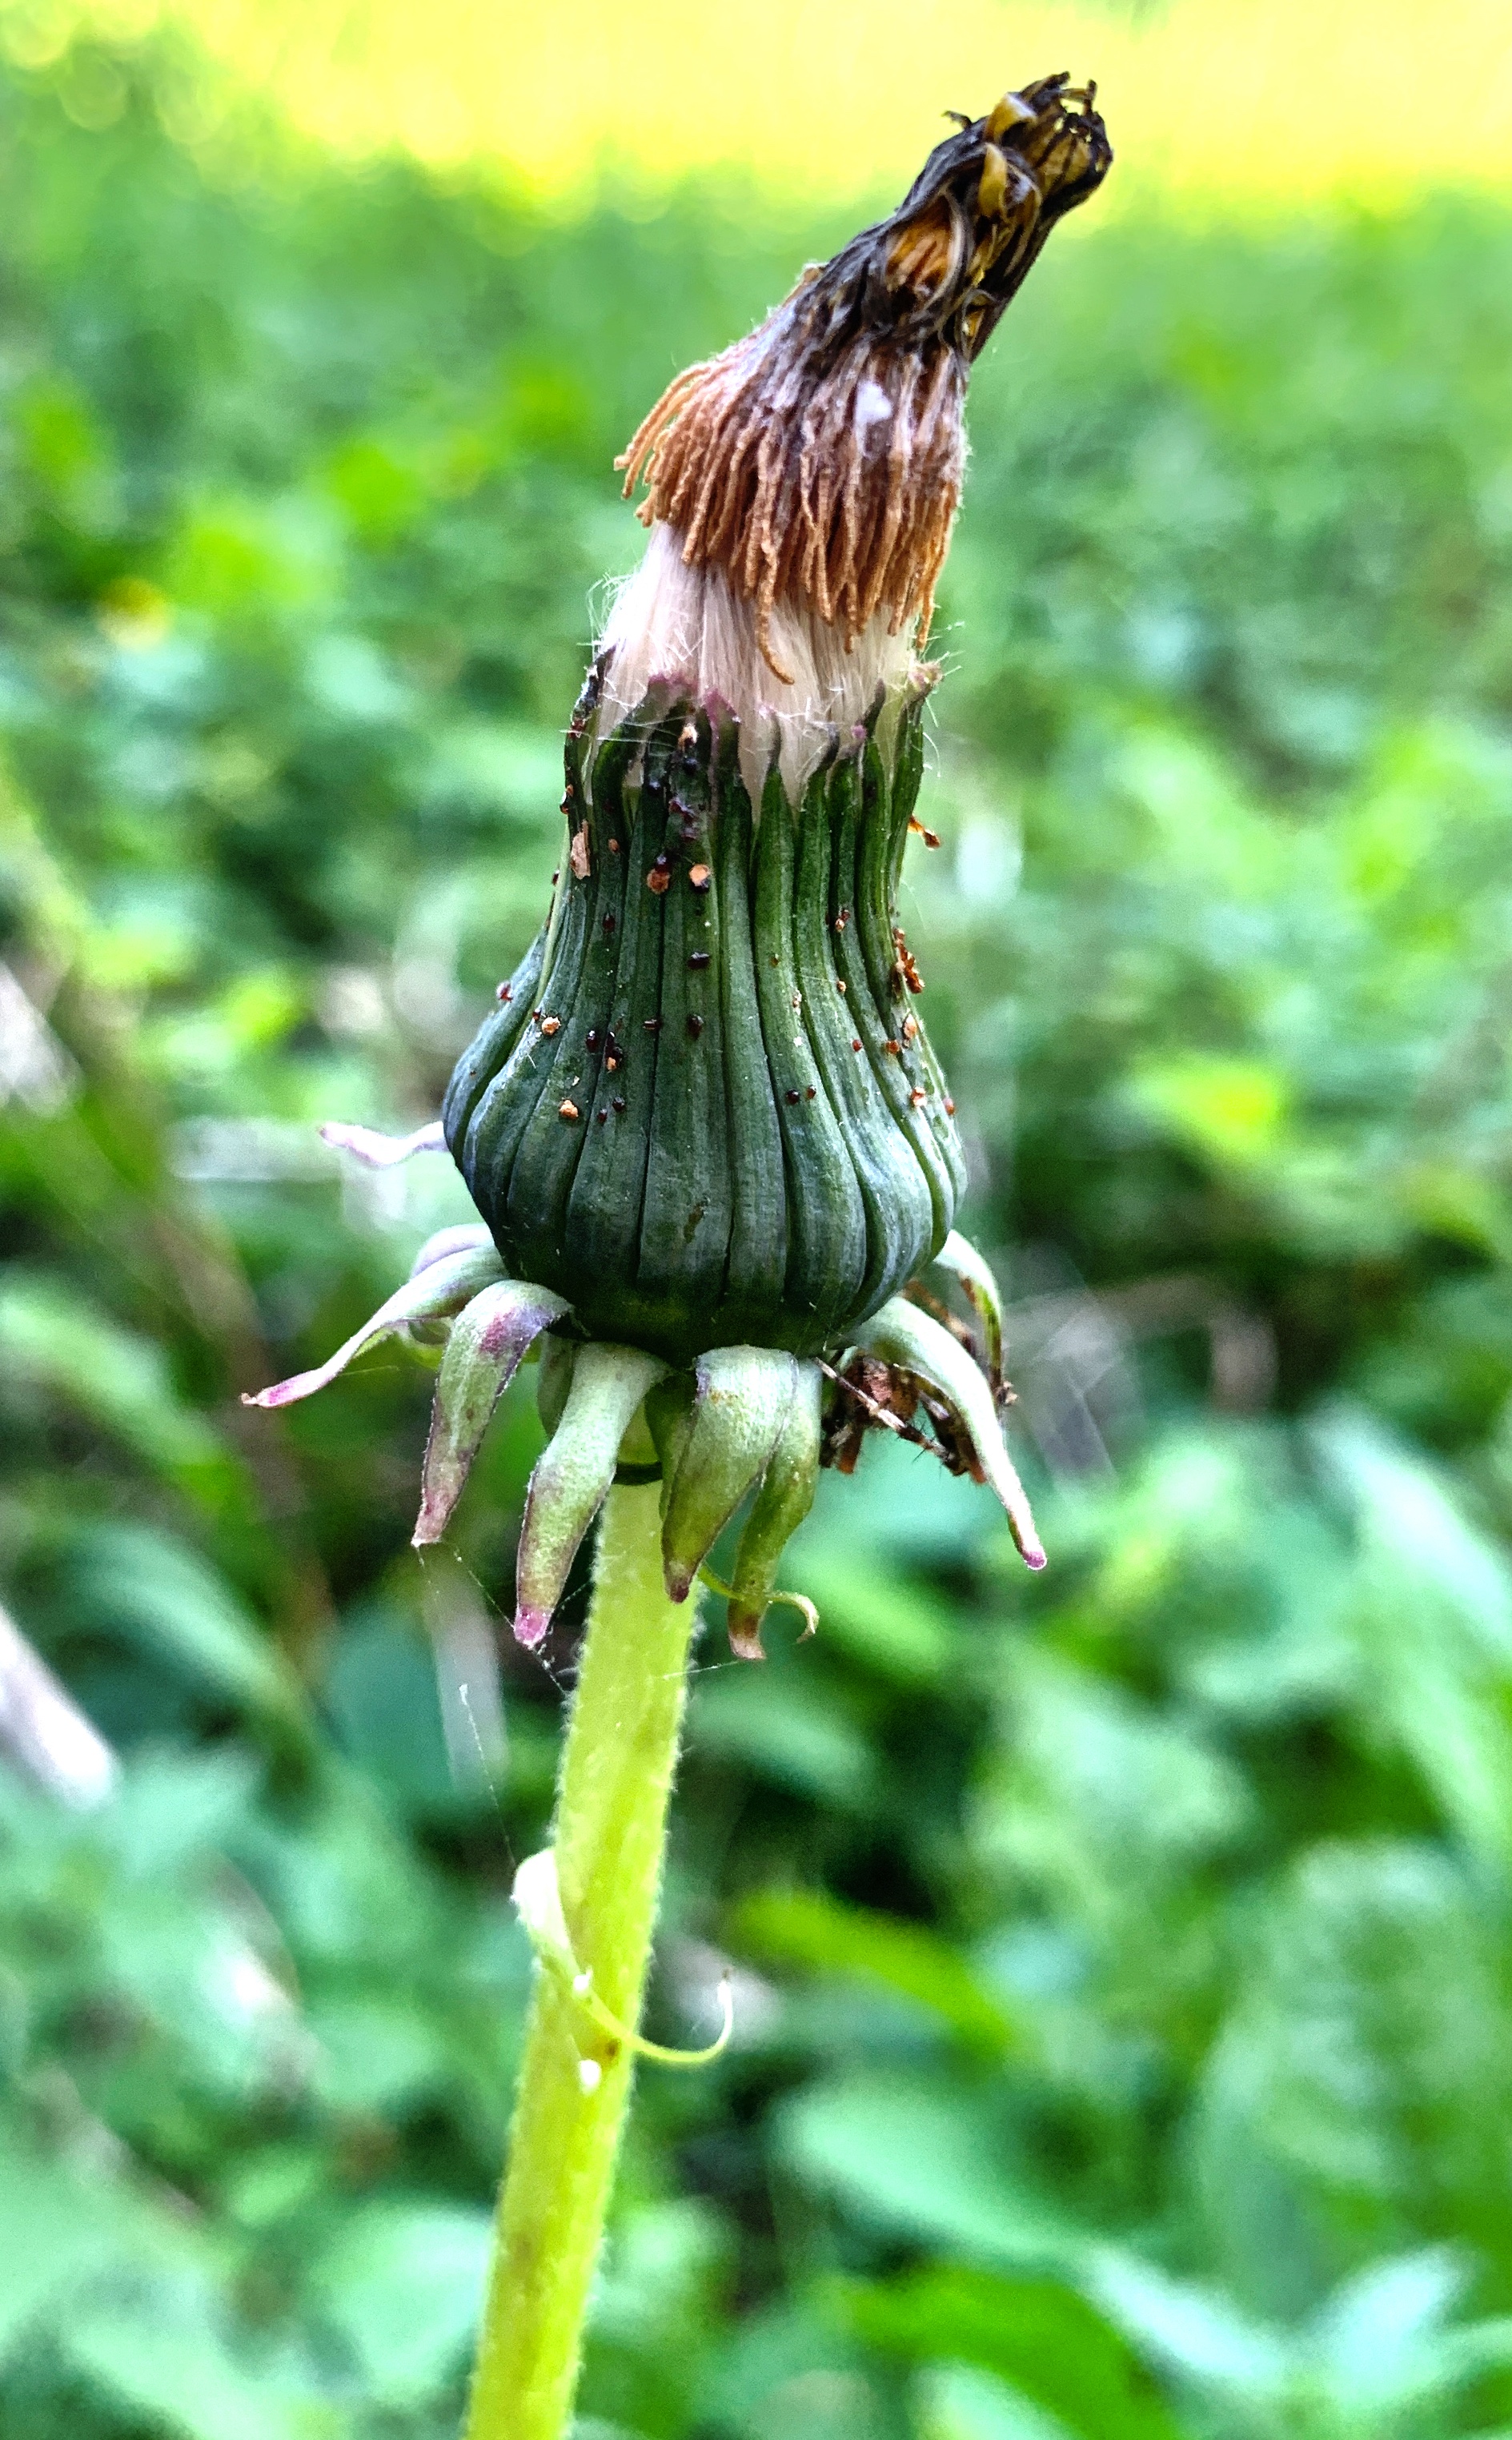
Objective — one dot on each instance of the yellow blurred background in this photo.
(1256, 103)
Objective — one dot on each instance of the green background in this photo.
(1124, 1960)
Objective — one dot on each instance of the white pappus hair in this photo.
(690, 625)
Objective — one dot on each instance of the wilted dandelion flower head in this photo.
(714, 1152)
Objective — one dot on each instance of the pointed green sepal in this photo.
(573, 1474)
(960, 1261)
(439, 1287)
(739, 1407)
(901, 1334)
(781, 1505)
(669, 1420)
(462, 1237)
(554, 1381)
(488, 1341)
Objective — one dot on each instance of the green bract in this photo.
(742, 1420)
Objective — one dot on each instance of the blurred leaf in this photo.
(129, 1581)
(1045, 2341)
(774, 1730)
(1230, 1109)
(956, 2402)
(919, 2160)
(655, 2311)
(1431, 1611)
(1365, 2063)
(381, 1693)
(890, 1625)
(51, 1337)
(403, 2284)
(159, 2354)
(807, 1929)
(64, 2241)
(790, 2368)
(1376, 2333)
(1190, 2331)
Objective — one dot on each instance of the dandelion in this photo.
(714, 1156)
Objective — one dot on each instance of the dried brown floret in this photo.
(819, 460)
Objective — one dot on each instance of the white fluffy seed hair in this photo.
(689, 624)
(800, 487)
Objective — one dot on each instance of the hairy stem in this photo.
(611, 1817)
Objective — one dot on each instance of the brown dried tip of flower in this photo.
(821, 458)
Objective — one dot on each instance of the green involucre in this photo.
(708, 1114)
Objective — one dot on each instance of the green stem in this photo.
(611, 1817)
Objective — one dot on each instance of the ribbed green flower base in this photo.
(610, 1828)
(701, 1142)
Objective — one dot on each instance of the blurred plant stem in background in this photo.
(607, 1838)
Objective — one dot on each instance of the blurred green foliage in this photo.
(1124, 1960)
